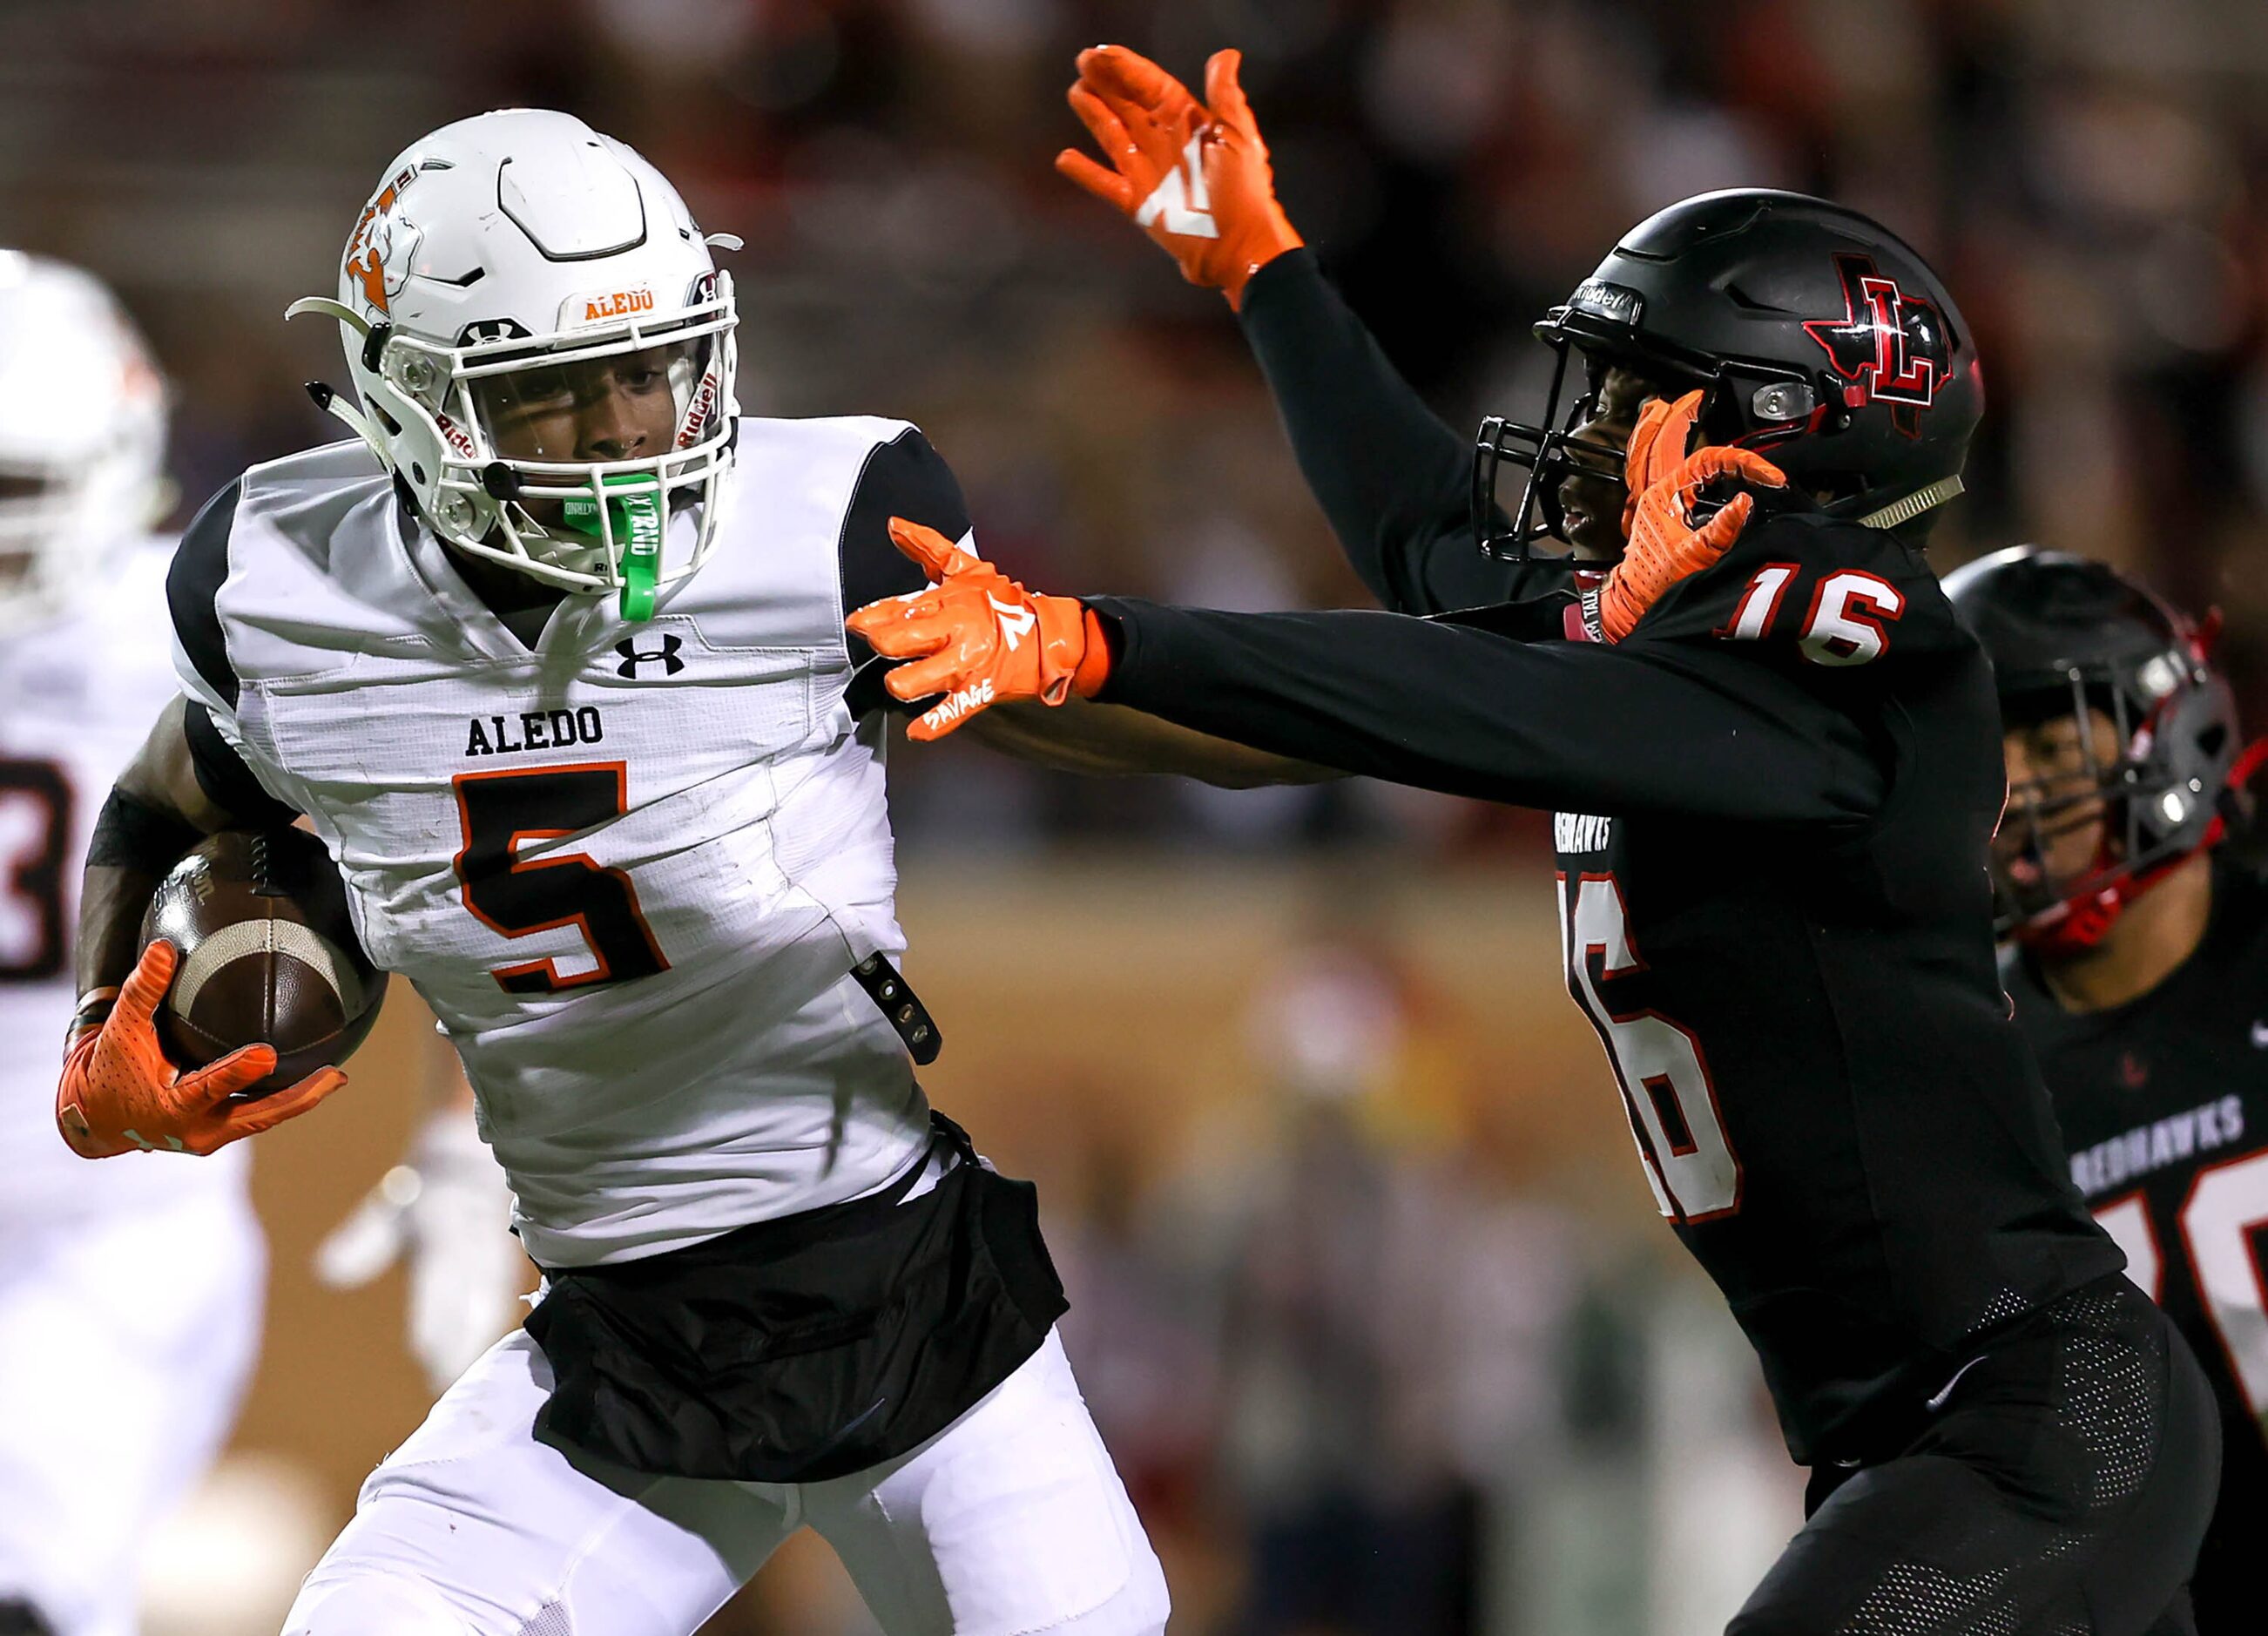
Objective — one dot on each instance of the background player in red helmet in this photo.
(2137, 962)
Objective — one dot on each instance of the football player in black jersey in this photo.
(2137, 957)
(1775, 756)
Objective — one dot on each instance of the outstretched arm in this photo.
(1691, 728)
(1576, 726)
(1394, 479)
(1109, 739)
(1080, 737)
(908, 492)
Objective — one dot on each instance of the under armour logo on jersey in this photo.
(1015, 622)
(1180, 200)
(665, 656)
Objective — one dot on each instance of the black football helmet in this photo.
(2068, 635)
(1820, 338)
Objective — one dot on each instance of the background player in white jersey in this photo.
(134, 1289)
(136, 1285)
(622, 824)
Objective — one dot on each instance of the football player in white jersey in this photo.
(552, 657)
(130, 1295)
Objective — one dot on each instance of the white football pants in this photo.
(126, 1340)
(1010, 1521)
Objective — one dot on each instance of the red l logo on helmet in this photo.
(1890, 346)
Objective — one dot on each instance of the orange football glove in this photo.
(978, 637)
(119, 1093)
(1196, 178)
(1665, 544)
(1650, 456)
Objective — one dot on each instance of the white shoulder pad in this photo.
(317, 573)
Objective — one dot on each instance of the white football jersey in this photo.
(78, 694)
(630, 869)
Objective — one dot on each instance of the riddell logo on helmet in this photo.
(459, 439)
(1890, 347)
(597, 309)
(699, 414)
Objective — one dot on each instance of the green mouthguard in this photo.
(634, 517)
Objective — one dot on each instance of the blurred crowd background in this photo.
(1368, 1294)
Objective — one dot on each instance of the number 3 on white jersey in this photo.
(1665, 1083)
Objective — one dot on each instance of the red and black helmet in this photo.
(2072, 638)
(1820, 337)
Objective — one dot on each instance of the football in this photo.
(268, 955)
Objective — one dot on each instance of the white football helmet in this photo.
(82, 433)
(513, 271)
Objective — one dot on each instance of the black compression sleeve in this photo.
(226, 781)
(1392, 477)
(131, 834)
(1645, 728)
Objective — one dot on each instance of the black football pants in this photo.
(2227, 1590)
(2061, 1489)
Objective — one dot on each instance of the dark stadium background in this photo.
(1369, 1299)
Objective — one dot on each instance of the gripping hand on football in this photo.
(978, 637)
(1666, 542)
(1195, 178)
(119, 1093)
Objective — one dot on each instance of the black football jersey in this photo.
(1774, 801)
(2164, 1105)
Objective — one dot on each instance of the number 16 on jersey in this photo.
(1665, 1080)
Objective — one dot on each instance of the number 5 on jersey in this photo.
(519, 895)
(1666, 1089)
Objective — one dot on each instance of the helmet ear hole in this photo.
(416, 474)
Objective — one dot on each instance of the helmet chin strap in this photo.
(328, 398)
(2080, 922)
